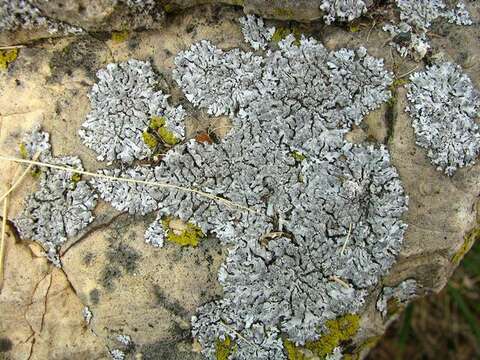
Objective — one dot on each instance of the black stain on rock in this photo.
(5, 344)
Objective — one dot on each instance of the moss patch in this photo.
(120, 36)
(157, 134)
(468, 242)
(283, 12)
(181, 233)
(7, 57)
(282, 32)
(338, 331)
(298, 156)
(224, 348)
(22, 149)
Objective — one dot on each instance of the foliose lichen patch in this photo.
(61, 206)
(342, 10)
(318, 231)
(123, 102)
(409, 36)
(402, 293)
(22, 14)
(444, 106)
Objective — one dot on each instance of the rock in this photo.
(148, 294)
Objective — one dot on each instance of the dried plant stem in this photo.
(346, 240)
(238, 334)
(340, 281)
(19, 180)
(2, 241)
(11, 47)
(129, 180)
(407, 73)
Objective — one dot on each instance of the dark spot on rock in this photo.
(82, 53)
(170, 304)
(94, 296)
(133, 43)
(124, 256)
(5, 344)
(189, 29)
(109, 274)
(165, 350)
(88, 258)
(17, 82)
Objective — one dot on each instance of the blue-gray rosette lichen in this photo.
(125, 101)
(409, 36)
(311, 220)
(63, 203)
(443, 106)
(23, 14)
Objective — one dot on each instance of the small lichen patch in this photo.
(444, 105)
(224, 348)
(468, 242)
(120, 36)
(7, 57)
(60, 208)
(182, 233)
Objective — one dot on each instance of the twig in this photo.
(19, 180)
(370, 31)
(2, 242)
(348, 238)
(129, 180)
(238, 334)
(408, 72)
(11, 47)
(340, 281)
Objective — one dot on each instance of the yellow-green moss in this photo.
(224, 348)
(150, 140)
(237, 2)
(298, 156)
(469, 240)
(189, 236)
(168, 8)
(7, 57)
(76, 177)
(398, 82)
(167, 136)
(282, 32)
(120, 36)
(338, 330)
(157, 132)
(23, 150)
(354, 27)
(294, 352)
(283, 12)
(157, 122)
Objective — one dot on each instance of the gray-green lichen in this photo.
(123, 102)
(443, 106)
(342, 10)
(255, 32)
(62, 205)
(334, 215)
(22, 14)
(409, 36)
(402, 293)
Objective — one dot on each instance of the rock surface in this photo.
(150, 294)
